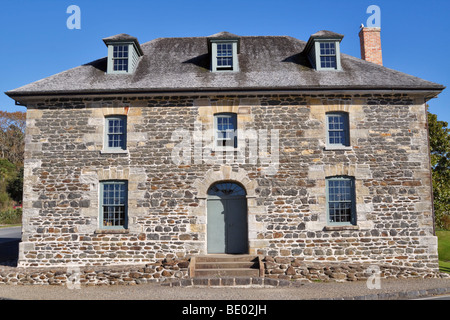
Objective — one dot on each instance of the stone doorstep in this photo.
(233, 282)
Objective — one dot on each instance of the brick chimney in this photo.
(370, 39)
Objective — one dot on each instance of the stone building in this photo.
(247, 145)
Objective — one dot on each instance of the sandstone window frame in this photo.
(350, 201)
(117, 204)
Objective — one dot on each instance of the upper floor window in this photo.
(113, 209)
(328, 55)
(116, 133)
(341, 204)
(323, 50)
(223, 49)
(224, 56)
(120, 58)
(225, 125)
(124, 52)
(338, 129)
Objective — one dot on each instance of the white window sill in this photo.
(111, 231)
(337, 148)
(223, 71)
(114, 151)
(341, 228)
(225, 149)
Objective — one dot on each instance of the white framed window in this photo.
(324, 50)
(113, 204)
(338, 133)
(225, 130)
(327, 55)
(120, 58)
(224, 56)
(123, 57)
(341, 200)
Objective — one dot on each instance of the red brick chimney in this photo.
(370, 39)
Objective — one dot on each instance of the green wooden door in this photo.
(236, 233)
(227, 230)
(216, 226)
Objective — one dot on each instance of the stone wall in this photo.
(388, 157)
(159, 271)
(298, 269)
(175, 272)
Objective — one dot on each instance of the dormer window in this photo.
(120, 58)
(328, 55)
(224, 56)
(124, 52)
(224, 50)
(323, 50)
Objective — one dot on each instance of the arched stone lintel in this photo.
(225, 173)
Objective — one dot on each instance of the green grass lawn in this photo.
(444, 250)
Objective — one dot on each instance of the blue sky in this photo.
(36, 42)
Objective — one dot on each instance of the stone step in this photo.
(225, 266)
(226, 258)
(233, 272)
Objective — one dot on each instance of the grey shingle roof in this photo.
(325, 34)
(275, 63)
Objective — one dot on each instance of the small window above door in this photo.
(227, 189)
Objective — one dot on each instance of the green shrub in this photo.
(446, 222)
(5, 201)
(11, 216)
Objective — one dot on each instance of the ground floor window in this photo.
(113, 210)
(341, 205)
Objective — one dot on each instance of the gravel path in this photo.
(157, 292)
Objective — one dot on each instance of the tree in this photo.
(440, 163)
(12, 136)
(15, 187)
(7, 175)
(12, 146)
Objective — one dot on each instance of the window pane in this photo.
(120, 64)
(328, 55)
(226, 126)
(225, 55)
(328, 61)
(120, 51)
(225, 62)
(114, 204)
(116, 133)
(338, 129)
(340, 200)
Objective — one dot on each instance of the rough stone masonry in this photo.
(388, 158)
